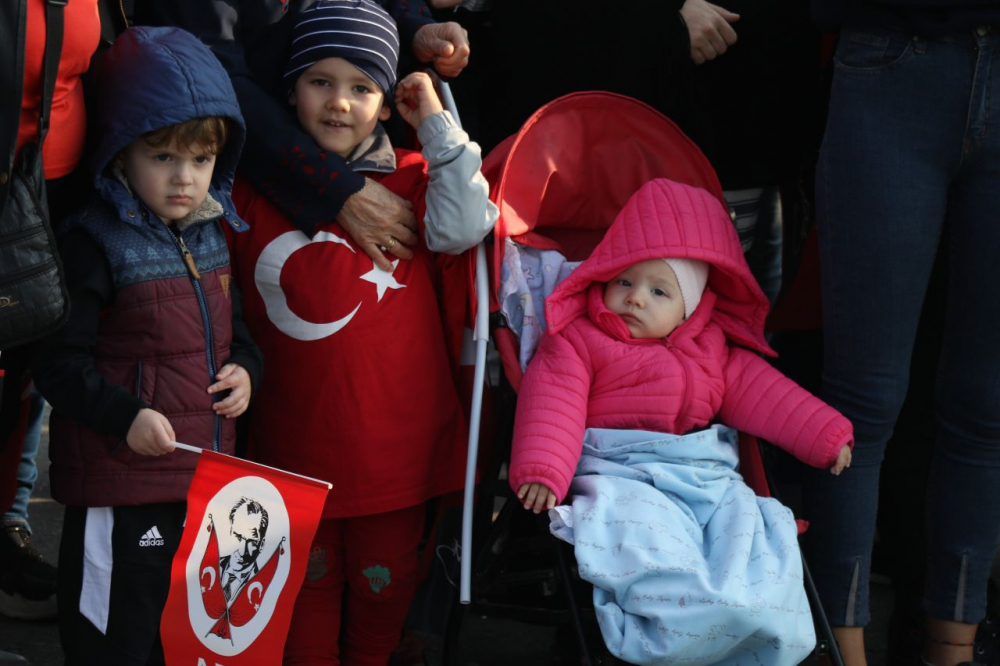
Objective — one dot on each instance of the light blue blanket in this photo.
(689, 566)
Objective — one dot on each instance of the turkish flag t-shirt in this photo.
(357, 387)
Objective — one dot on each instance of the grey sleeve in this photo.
(459, 210)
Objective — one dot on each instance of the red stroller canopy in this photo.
(560, 181)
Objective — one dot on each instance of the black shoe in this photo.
(27, 581)
(988, 634)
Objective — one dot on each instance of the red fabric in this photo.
(589, 372)
(212, 596)
(251, 626)
(68, 127)
(375, 559)
(372, 406)
(585, 154)
(574, 163)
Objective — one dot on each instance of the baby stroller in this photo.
(558, 184)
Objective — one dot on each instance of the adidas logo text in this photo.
(152, 537)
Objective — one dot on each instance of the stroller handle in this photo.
(481, 336)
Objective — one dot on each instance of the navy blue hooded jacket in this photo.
(154, 314)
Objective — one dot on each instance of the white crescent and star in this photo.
(267, 277)
(382, 279)
(211, 576)
(259, 588)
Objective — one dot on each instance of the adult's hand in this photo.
(446, 44)
(377, 218)
(444, 4)
(709, 29)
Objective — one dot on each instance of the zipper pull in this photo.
(188, 259)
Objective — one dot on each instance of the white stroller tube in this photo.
(481, 335)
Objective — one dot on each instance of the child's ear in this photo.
(384, 114)
(291, 98)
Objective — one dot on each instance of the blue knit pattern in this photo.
(148, 251)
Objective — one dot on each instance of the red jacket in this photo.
(359, 389)
(589, 372)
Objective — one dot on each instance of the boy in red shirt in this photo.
(360, 388)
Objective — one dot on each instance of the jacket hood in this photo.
(668, 219)
(151, 78)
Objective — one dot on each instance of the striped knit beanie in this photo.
(359, 31)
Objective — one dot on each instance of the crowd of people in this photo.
(251, 258)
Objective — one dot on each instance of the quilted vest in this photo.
(164, 337)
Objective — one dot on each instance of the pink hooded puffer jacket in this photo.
(589, 372)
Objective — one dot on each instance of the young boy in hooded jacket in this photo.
(155, 350)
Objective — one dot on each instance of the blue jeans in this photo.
(27, 470)
(911, 152)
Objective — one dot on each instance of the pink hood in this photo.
(668, 219)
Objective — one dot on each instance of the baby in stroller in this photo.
(650, 341)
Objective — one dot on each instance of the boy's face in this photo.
(171, 180)
(337, 105)
(648, 299)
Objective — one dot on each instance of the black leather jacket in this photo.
(13, 17)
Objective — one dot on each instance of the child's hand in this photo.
(234, 378)
(536, 496)
(843, 461)
(150, 434)
(416, 98)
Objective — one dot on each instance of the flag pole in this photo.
(187, 447)
(195, 449)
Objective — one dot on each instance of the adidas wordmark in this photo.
(152, 537)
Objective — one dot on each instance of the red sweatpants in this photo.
(361, 578)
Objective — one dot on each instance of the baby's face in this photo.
(648, 299)
(337, 105)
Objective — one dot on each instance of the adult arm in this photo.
(64, 369)
(308, 185)
(761, 401)
(551, 417)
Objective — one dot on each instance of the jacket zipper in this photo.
(685, 364)
(206, 322)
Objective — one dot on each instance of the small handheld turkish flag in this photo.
(240, 562)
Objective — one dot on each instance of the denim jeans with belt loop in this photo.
(911, 152)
